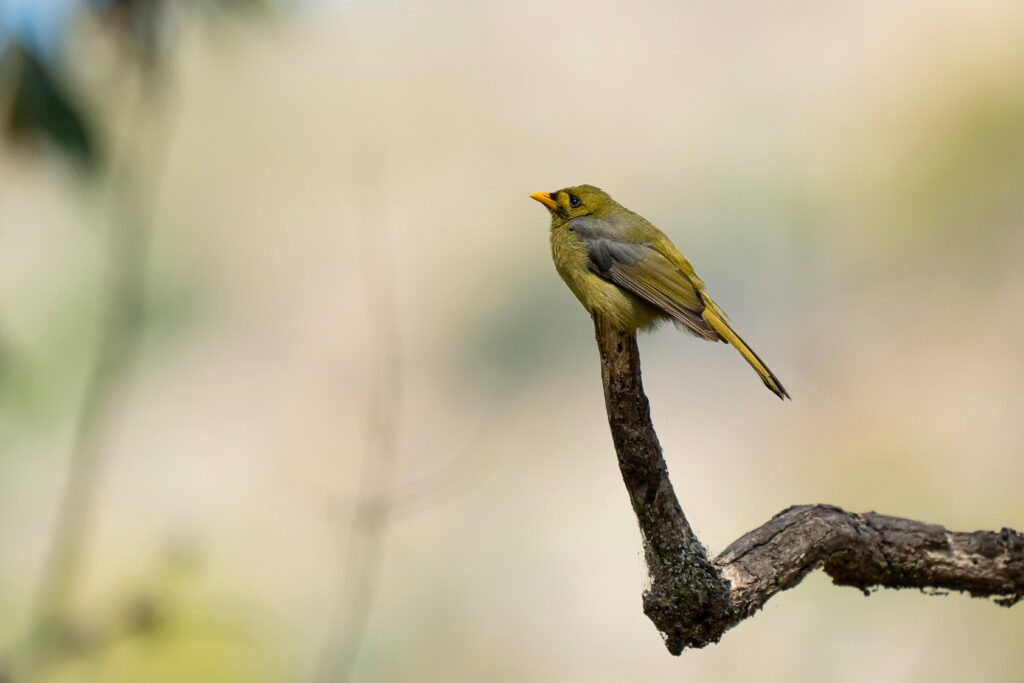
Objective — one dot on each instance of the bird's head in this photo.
(573, 202)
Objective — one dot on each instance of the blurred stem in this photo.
(121, 326)
(365, 556)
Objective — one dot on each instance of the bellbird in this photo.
(621, 266)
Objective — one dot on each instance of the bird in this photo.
(622, 267)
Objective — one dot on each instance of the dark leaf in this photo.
(42, 107)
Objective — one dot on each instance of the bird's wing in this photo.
(642, 270)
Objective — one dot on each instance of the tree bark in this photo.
(693, 600)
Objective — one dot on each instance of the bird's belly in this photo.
(619, 307)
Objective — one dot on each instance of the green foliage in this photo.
(42, 107)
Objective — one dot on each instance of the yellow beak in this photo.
(545, 199)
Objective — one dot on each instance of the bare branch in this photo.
(121, 331)
(373, 513)
(693, 600)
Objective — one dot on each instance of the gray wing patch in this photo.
(605, 253)
(605, 245)
(643, 271)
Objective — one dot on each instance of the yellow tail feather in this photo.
(715, 318)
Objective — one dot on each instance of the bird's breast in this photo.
(569, 253)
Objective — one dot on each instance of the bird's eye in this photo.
(574, 201)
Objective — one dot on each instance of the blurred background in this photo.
(290, 390)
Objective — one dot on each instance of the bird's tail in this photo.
(716, 319)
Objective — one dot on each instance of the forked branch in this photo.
(693, 600)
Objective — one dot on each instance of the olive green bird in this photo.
(621, 266)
